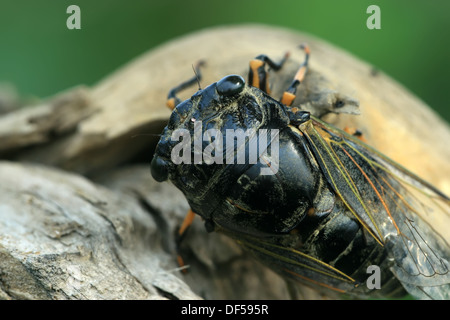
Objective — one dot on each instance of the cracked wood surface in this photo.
(63, 237)
(79, 219)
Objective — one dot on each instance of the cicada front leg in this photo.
(258, 76)
(289, 95)
(172, 99)
(187, 222)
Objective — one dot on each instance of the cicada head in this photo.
(194, 150)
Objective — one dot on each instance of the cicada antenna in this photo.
(172, 99)
(197, 73)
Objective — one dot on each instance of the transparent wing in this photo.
(391, 203)
(299, 266)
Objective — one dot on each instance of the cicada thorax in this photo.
(273, 203)
(293, 220)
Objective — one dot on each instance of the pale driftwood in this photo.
(63, 236)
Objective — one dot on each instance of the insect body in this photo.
(312, 202)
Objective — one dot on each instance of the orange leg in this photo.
(181, 233)
(172, 99)
(289, 95)
(258, 76)
(355, 132)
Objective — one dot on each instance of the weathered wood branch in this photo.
(75, 225)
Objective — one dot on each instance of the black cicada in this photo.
(312, 202)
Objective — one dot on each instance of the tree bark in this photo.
(80, 215)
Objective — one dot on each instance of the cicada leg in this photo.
(289, 95)
(258, 76)
(187, 222)
(355, 132)
(172, 99)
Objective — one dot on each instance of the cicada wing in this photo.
(299, 266)
(391, 203)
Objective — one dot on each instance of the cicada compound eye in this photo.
(230, 85)
(158, 169)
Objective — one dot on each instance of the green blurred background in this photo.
(41, 57)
